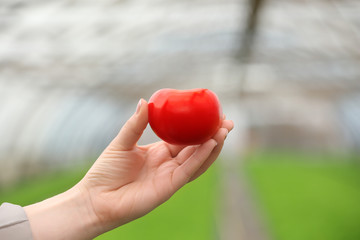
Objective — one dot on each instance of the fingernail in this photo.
(138, 107)
(226, 135)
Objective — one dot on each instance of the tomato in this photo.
(185, 117)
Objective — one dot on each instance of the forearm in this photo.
(64, 216)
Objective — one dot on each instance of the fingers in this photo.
(133, 128)
(219, 138)
(185, 154)
(184, 172)
(228, 124)
(181, 153)
(175, 149)
(195, 160)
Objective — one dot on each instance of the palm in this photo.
(136, 180)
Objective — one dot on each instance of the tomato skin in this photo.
(185, 117)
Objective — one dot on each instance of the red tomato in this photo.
(185, 117)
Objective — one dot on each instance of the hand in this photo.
(127, 181)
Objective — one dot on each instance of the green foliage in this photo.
(305, 196)
(189, 214)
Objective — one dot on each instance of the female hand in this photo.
(127, 181)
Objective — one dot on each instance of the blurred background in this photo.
(286, 72)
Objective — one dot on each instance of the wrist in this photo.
(65, 216)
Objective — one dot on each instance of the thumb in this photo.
(132, 129)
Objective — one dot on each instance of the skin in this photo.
(126, 182)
